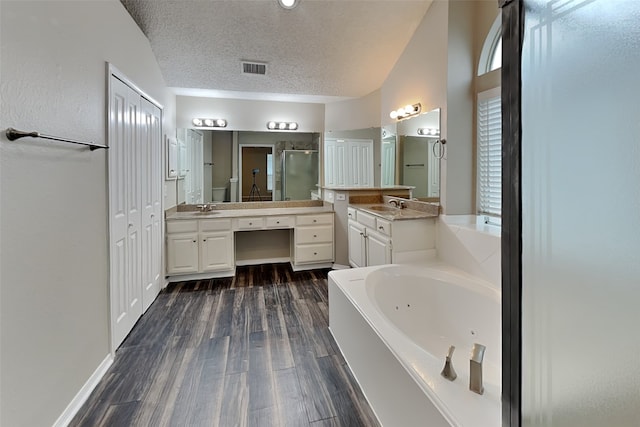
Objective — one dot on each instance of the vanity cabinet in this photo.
(374, 240)
(212, 247)
(313, 239)
(199, 246)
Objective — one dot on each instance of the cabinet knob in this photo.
(277, 222)
(315, 253)
(315, 220)
(315, 235)
(381, 228)
(250, 223)
(204, 240)
(195, 241)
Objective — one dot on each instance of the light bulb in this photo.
(208, 122)
(393, 114)
(221, 122)
(293, 126)
(197, 122)
(282, 126)
(271, 125)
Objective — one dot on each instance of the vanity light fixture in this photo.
(210, 123)
(428, 131)
(406, 111)
(282, 125)
(288, 4)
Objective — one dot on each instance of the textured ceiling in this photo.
(323, 48)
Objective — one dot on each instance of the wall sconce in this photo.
(406, 111)
(282, 125)
(428, 131)
(210, 123)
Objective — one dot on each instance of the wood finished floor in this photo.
(254, 350)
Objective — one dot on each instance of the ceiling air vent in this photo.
(259, 68)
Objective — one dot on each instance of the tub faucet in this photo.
(393, 202)
(448, 372)
(475, 368)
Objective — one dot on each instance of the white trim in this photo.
(490, 42)
(81, 397)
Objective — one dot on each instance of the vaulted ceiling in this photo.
(318, 51)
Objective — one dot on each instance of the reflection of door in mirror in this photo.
(190, 159)
(388, 174)
(256, 183)
(414, 165)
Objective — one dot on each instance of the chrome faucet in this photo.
(402, 205)
(448, 372)
(475, 368)
(206, 207)
(393, 202)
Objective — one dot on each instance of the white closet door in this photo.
(124, 210)
(150, 160)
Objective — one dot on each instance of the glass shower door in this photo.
(581, 213)
(299, 174)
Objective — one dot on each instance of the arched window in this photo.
(491, 55)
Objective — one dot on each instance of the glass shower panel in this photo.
(299, 174)
(581, 213)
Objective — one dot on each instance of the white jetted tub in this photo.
(394, 325)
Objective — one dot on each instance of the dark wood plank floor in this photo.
(253, 350)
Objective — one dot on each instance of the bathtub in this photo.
(394, 325)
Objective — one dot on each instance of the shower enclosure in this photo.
(299, 174)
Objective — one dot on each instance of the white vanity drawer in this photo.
(383, 226)
(250, 223)
(180, 226)
(314, 253)
(278, 222)
(215, 224)
(351, 213)
(366, 219)
(317, 219)
(318, 234)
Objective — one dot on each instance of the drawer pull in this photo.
(315, 253)
(250, 223)
(277, 222)
(204, 240)
(315, 235)
(381, 228)
(315, 220)
(195, 241)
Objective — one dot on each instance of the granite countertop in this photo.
(391, 213)
(237, 213)
(381, 188)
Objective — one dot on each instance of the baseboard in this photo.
(76, 403)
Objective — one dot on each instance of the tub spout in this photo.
(448, 372)
(475, 369)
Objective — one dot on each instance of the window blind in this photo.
(490, 153)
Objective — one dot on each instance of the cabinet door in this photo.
(182, 253)
(378, 250)
(216, 251)
(356, 245)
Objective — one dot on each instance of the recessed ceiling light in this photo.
(288, 4)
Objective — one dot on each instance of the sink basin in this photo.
(382, 208)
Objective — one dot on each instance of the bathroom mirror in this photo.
(417, 162)
(388, 155)
(233, 166)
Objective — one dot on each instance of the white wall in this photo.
(357, 113)
(249, 115)
(420, 75)
(53, 196)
